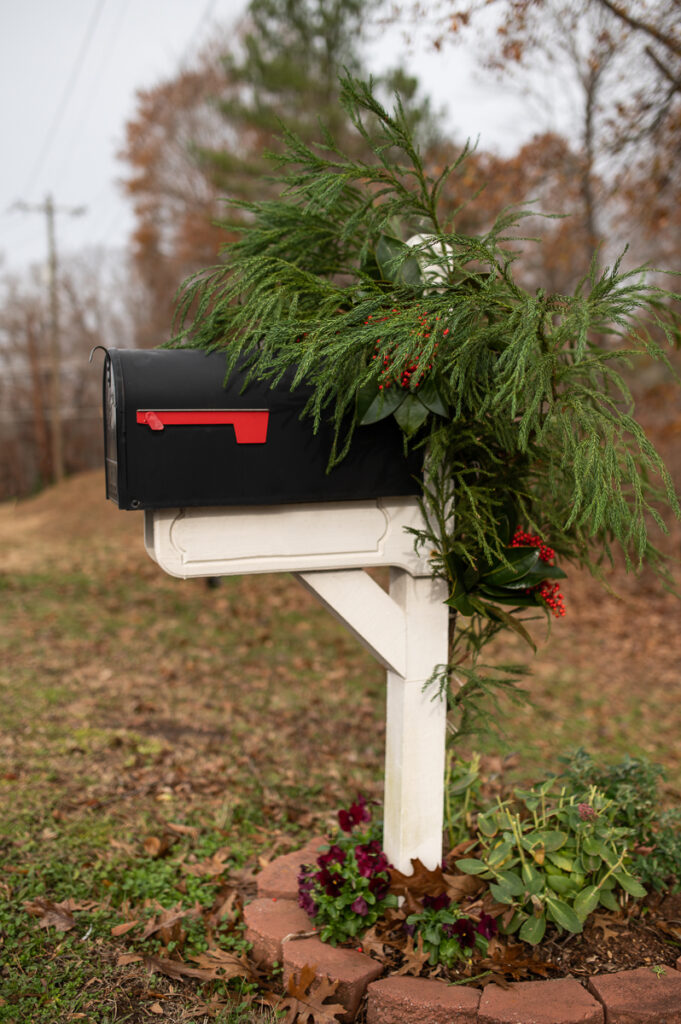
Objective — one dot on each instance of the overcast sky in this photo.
(69, 70)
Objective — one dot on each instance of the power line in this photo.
(66, 95)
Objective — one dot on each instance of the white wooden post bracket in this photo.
(371, 615)
(407, 632)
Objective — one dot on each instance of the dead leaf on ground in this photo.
(157, 846)
(51, 915)
(414, 957)
(420, 882)
(123, 929)
(183, 830)
(167, 921)
(305, 1005)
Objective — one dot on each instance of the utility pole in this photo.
(49, 209)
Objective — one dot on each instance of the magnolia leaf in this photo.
(463, 603)
(532, 931)
(431, 397)
(394, 269)
(508, 620)
(384, 404)
(411, 414)
(522, 561)
(509, 597)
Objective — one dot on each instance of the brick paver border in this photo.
(280, 932)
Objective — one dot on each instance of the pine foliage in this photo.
(518, 399)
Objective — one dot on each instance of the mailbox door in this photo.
(177, 436)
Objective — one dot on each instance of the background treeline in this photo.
(201, 136)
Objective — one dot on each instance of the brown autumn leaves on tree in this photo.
(615, 181)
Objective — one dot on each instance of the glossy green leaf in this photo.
(384, 404)
(411, 414)
(432, 399)
(522, 561)
(405, 272)
(533, 879)
(499, 615)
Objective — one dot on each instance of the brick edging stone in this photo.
(281, 932)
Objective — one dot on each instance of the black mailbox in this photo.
(176, 436)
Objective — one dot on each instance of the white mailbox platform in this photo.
(328, 546)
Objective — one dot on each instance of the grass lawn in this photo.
(162, 740)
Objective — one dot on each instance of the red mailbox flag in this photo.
(250, 425)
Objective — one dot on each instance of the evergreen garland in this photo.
(517, 399)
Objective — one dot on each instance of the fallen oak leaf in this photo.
(414, 957)
(51, 915)
(224, 964)
(168, 918)
(177, 969)
(421, 882)
(303, 1004)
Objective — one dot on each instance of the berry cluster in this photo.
(521, 539)
(405, 379)
(548, 592)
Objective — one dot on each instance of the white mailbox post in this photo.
(328, 546)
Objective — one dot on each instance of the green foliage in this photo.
(632, 786)
(448, 934)
(463, 786)
(552, 857)
(516, 400)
